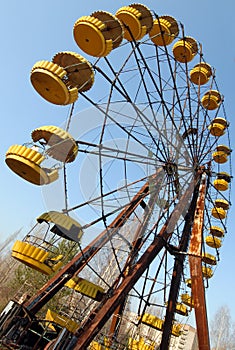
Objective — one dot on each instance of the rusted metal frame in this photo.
(34, 304)
(14, 331)
(116, 320)
(198, 290)
(97, 319)
(177, 271)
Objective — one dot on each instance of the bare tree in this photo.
(8, 241)
(222, 330)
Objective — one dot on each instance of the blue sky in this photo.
(32, 31)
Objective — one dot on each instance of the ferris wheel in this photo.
(153, 161)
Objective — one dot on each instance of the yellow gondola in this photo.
(137, 21)
(187, 300)
(139, 344)
(104, 345)
(218, 213)
(218, 126)
(48, 79)
(181, 309)
(60, 320)
(185, 49)
(157, 323)
(85, 287)
(98, 34)
(201, 73)
(220, 157)
(209, 259)
(217, 231)
(220, 184)
(222, 203)
(211, 99)
(48, 141)
(164, 30)
(207, 272)
(152, 321)
(213, 242)
(37, 258)
(176, 330)
(41, 253)
(26, 162)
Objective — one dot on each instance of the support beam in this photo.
(198, 290)
(178, 271)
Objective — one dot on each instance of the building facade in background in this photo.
(186, 341)
(144, 334)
